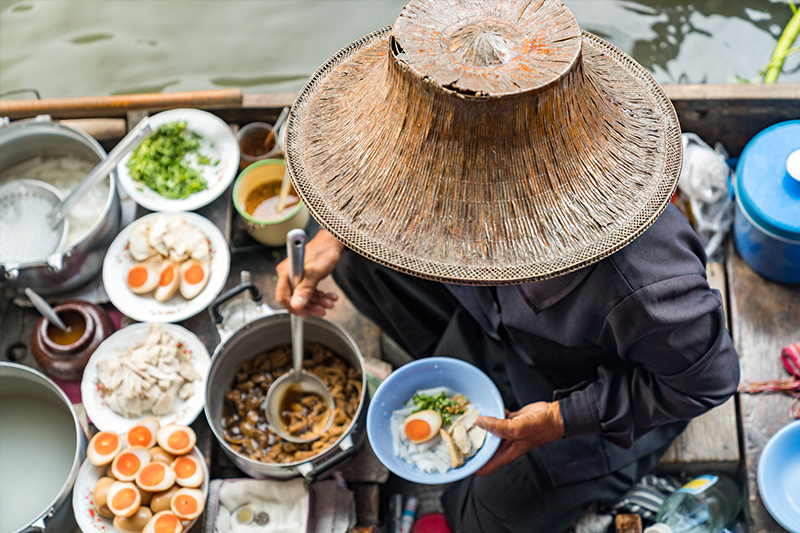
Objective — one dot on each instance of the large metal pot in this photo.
(270, 330)
(43, 446)
(71, 267)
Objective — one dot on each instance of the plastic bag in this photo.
(704, 181)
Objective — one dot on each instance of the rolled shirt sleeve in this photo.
(678, 362)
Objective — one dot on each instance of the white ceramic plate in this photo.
(88, 520)
(184, 411)
(218, 142)
(145, 308)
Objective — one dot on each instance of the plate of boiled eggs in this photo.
(152, 479)
(166, 267)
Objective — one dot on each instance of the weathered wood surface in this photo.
(733, 113)
(765, 316)
(711, 441)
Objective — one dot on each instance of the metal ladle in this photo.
(297, 377)
(48, 312)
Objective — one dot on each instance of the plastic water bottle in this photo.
(704, 505)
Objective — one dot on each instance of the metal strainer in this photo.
(25, 234)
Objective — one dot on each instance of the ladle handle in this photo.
(43, 307)
(295, 251)
(128, 143)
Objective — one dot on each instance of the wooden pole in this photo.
(119, 105)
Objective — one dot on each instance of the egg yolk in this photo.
(184, 467)
(179, 440)
(139, 436)
(137, 276)
(167, 275)
(106, 443)
(166, 524)
(152, 474)
(185, 505)
(128, 464)
(417, 429)
(194, 274)
(124, 499)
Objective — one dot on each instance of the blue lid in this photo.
(765, 189)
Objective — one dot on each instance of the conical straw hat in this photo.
(483, 142)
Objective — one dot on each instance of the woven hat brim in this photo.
(525, 238)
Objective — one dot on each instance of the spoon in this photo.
(128, 143)
(48, 312)
(296, 379)
(276, 126)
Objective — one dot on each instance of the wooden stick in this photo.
(118, 106)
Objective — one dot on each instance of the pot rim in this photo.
(67, 487)
(88, 332)
(216, 361)
(49, 123)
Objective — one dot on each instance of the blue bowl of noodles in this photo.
(433, 374)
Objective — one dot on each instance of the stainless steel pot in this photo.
(268, 331)
(37, 478)
(69, 268)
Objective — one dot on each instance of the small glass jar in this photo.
(256, 143)
(65, 355)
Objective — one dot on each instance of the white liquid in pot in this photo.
(65, 173)
(37, 448)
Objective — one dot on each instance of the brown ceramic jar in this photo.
(64, 356)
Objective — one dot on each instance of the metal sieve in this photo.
(25, 234)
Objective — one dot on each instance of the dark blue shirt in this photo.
(631, 347)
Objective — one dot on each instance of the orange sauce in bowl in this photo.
(72, 320)
(262, 202)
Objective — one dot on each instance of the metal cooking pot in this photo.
(269, 330)
(43, 453)
(71, 267)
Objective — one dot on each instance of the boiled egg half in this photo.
(155, 477)
(143, 277)
(103, 447)
(123, 499)
(175, 439)
(163, 522)
(187, 504)
(168, 282)
(422, 426)
(188, 471)
(128, 462)
(143, 434)
(194, 276)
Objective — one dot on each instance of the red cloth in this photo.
(431, 523)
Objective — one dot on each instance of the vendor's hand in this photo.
(533, 425)
(321, 256)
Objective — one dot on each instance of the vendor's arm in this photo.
(321, 256)
(679, 362)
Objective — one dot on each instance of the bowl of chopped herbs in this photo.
(189, 160)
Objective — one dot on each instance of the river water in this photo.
(101, 47)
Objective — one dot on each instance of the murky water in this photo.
(95, 47)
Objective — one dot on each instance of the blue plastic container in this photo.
(767, 223)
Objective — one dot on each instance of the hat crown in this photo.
(490, 48)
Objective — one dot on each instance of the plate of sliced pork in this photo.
(145, 370)
(166, 267)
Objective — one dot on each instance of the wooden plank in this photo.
(710, 441)
(102, 129)
(765, 316)
(733, 113)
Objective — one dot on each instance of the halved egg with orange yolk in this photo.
(188, 471)
(175, 439)
(194, 276)
(143, 277)
(187, 504)
(422, 426)
(123, 498)
(143, 434)
(168, 282)
(155, 477)
(128, 462)
(163, 522)
(103, 447)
